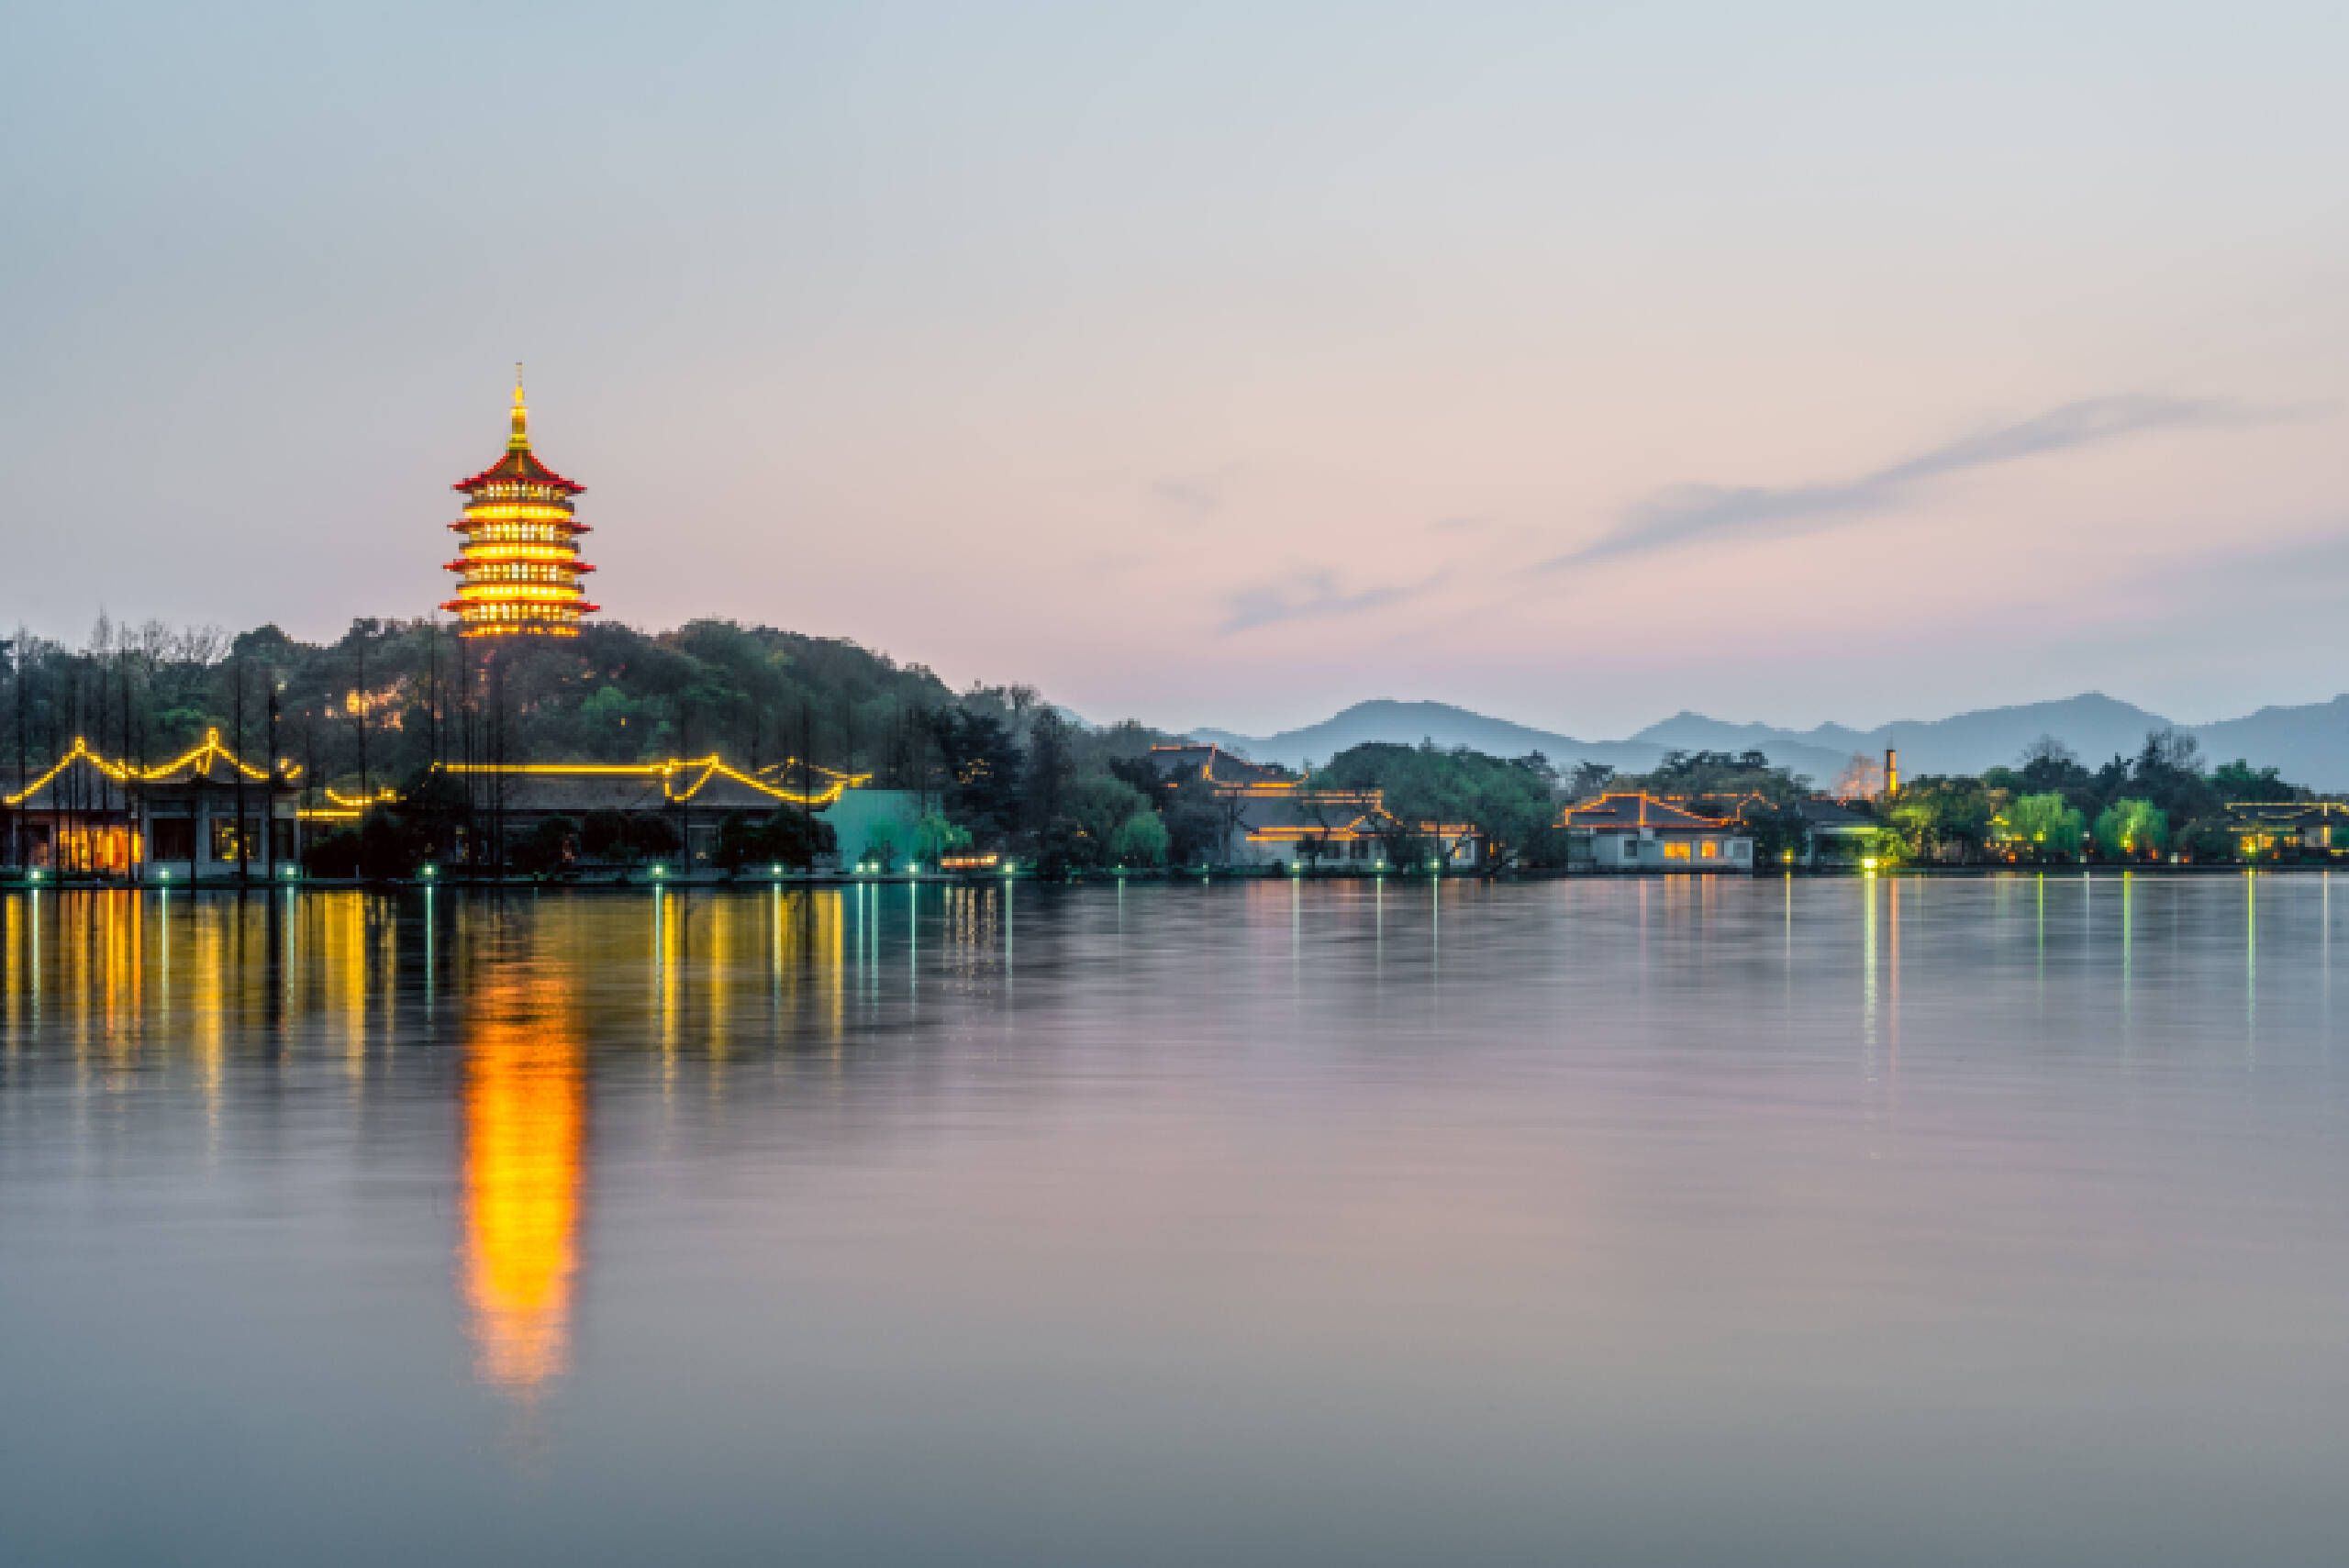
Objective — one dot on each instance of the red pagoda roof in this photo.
(519, 465)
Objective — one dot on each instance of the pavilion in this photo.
(205, 815)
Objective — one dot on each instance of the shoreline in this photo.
(19, 882)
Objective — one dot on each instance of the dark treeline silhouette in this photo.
(375, 709)
(389, 697)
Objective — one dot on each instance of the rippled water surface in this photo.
(1663, 1222)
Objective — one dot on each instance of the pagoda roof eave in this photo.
(522, 465)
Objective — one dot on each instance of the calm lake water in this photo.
(1644, 1222)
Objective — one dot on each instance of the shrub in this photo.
(604, 835)
(650, 836)
(332, 854)
(547, 847)
(1141, 840)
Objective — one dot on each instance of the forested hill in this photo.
(389, 696)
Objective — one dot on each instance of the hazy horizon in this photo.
(1226, 367)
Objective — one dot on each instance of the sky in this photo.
(1221, 364)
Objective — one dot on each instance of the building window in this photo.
(1677, 850)
(175, 839)
(224, 838)
(1711, 850)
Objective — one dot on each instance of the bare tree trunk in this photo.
(237, 706)
(432, 699)
(24, 750)
(359, 646)
(269, 803)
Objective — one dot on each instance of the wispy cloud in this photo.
(1690, 512)
(1195, 499)
(1310, 595)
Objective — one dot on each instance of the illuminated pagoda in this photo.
(520, 568)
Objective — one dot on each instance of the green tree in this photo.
(603, 836)
(548, 846)
(1141, 839)
(1937, 819)
(2132, 829)
(1100, 805)
(2239, 781)
(1065, 847)
(1510, 801)
(983, 767)
(1050, 769)
(742, 840)
(651, 836)
(2046, 827)
(1197, 822)
(794, 839)
(935, 837)
(1720, 778)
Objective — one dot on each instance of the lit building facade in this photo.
(1628, 830)
(208, 815)
(519, 571)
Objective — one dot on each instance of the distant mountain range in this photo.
(1411, 722)
(2308, 744)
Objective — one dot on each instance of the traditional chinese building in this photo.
(1632, 831)
(1271, 818)
(2310, 830)
(694, 798)
(204, 816)
(519, 570)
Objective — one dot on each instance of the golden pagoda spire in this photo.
(521, 441)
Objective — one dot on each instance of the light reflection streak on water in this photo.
(12, 972)
(347, 981)
(2128, 948)
(1868, 972)
(525, 1120)
(835, 974)
(1892, 999)
(178, 988)
(718, 990)
(2039, 922)
(668, 938)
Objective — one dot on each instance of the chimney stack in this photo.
(1891, 771)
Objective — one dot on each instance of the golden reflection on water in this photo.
(225, 989)
(525, 1120)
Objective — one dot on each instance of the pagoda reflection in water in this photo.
(525, 1120)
